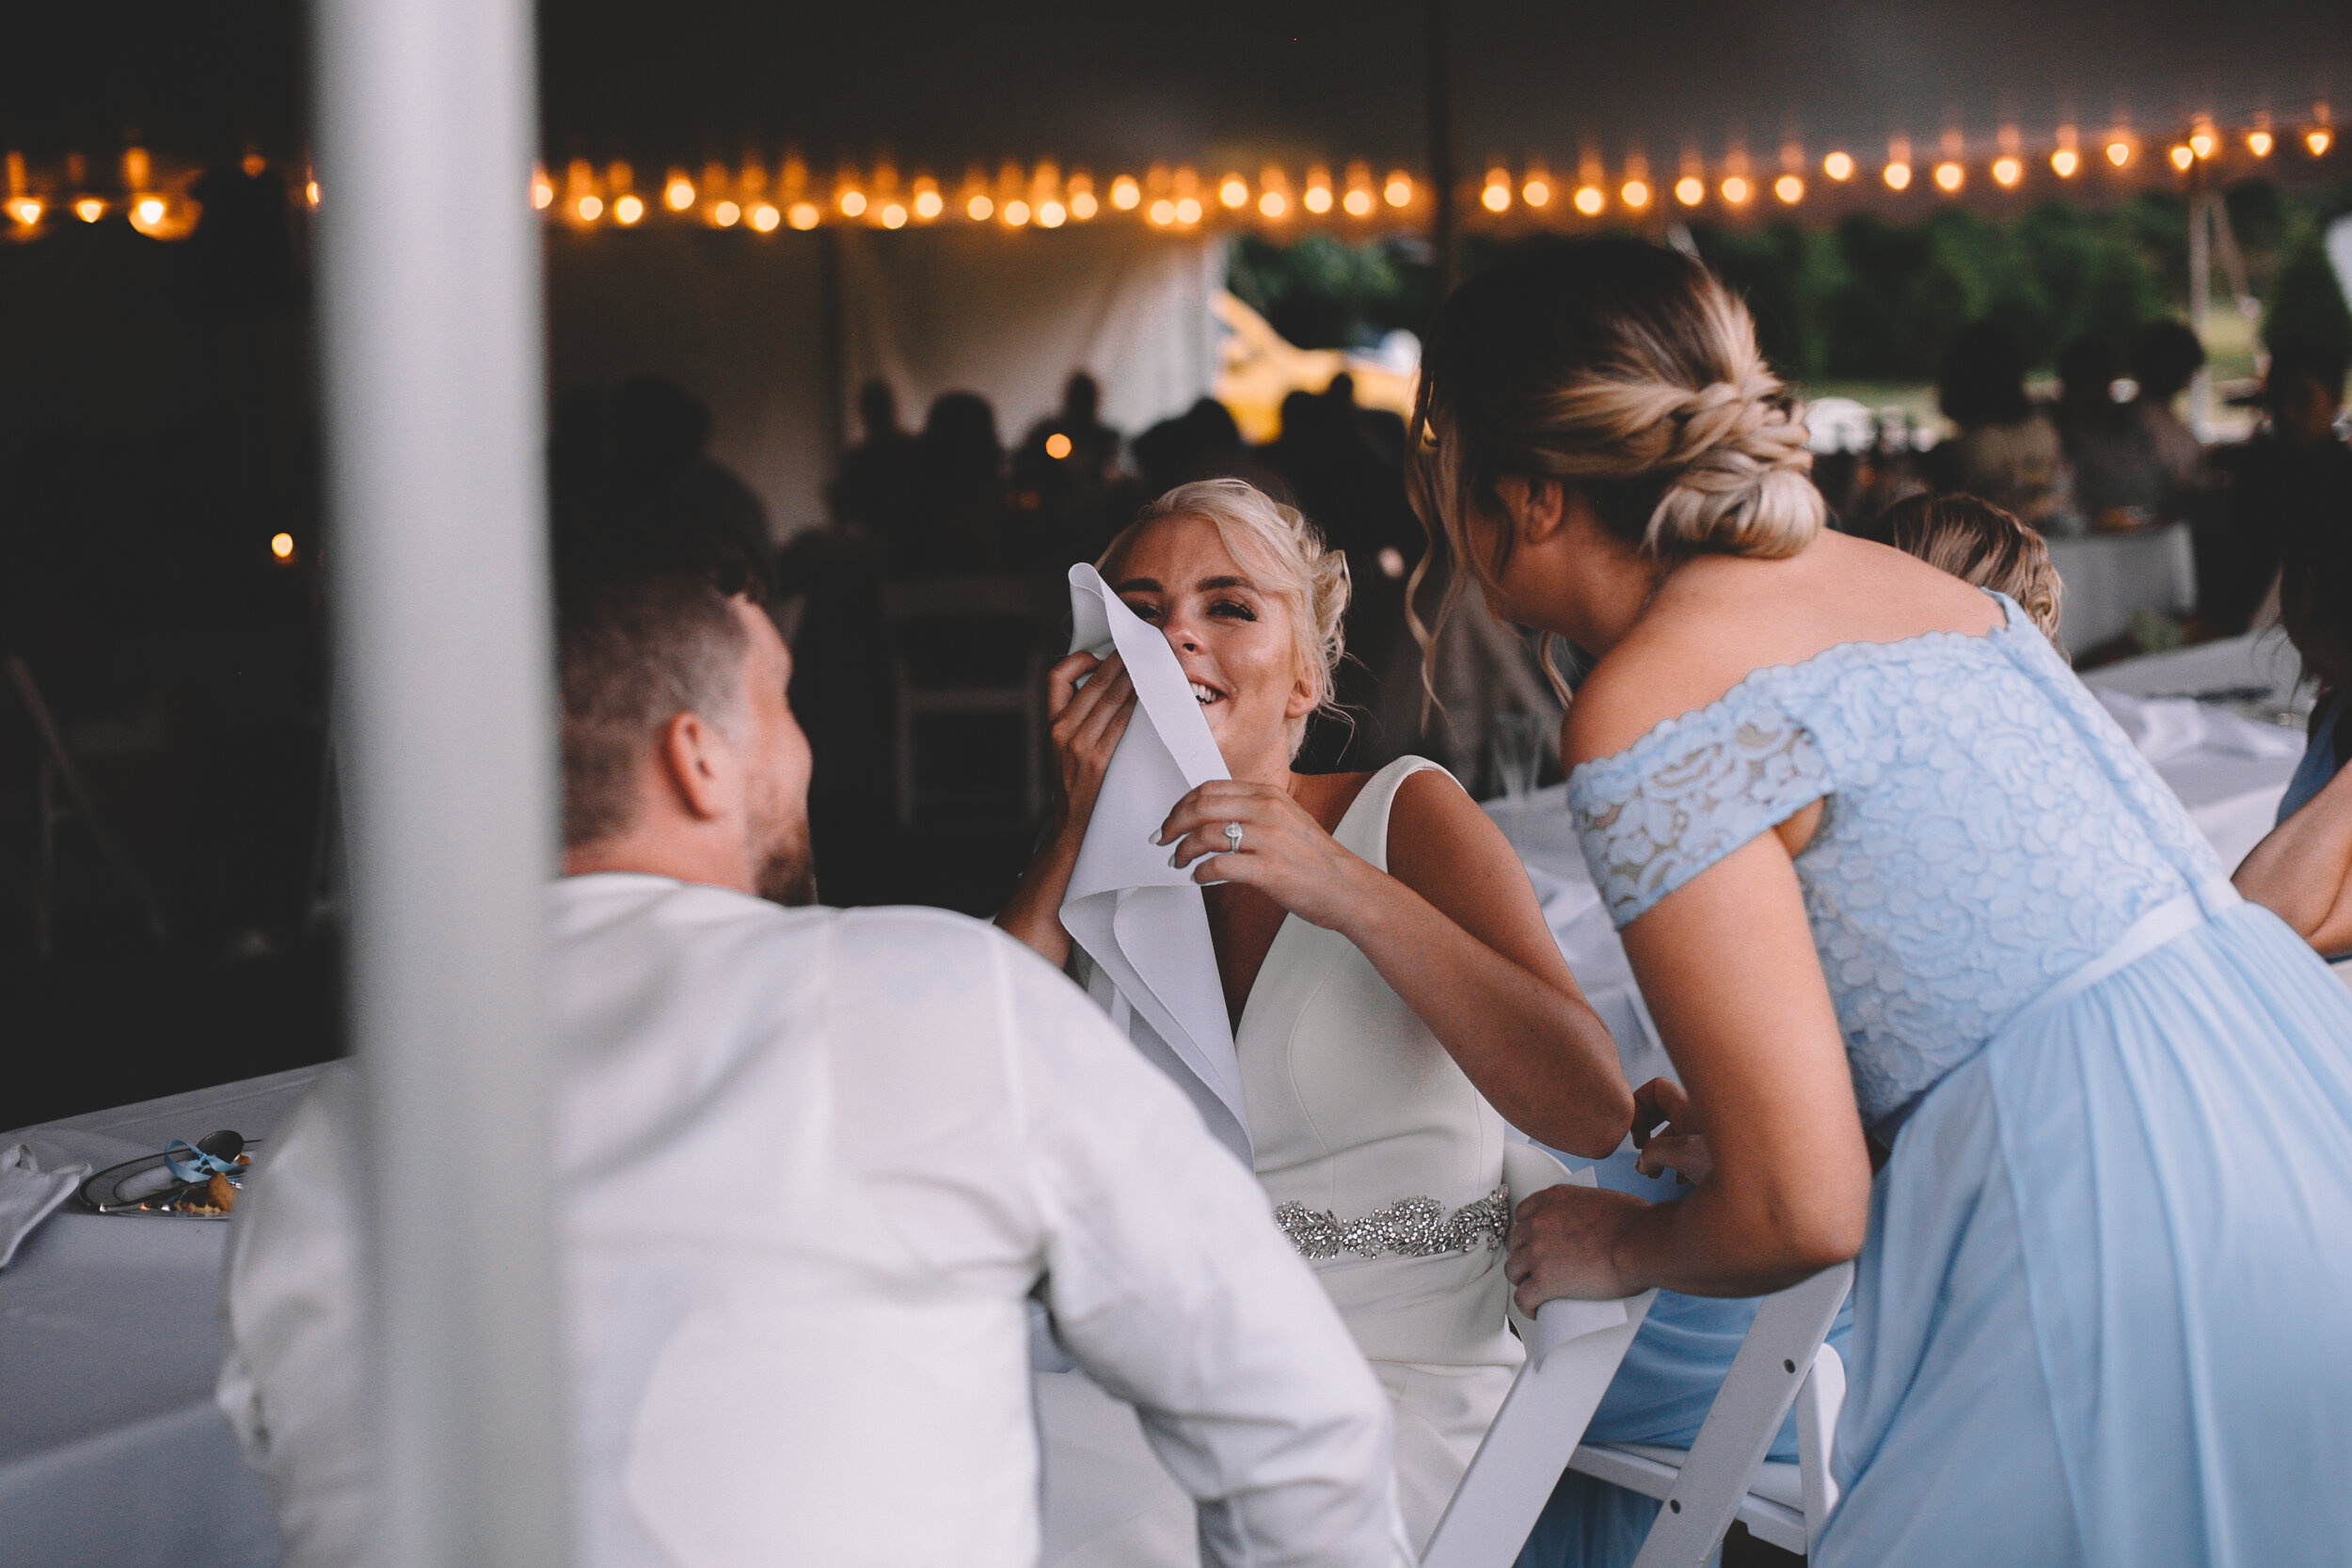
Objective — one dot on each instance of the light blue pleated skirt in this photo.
(2105, 1312)
(2103, 1316)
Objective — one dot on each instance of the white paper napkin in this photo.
(29, 1194)
(1141, 920)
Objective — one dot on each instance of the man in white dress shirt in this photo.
(813, 1165)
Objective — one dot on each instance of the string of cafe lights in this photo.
(1180, 198)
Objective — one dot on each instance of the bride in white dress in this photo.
(1394, 994)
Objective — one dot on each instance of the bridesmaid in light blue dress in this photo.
(1881, 865)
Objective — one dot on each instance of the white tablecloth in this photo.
(2110, 577)
(111, 1454)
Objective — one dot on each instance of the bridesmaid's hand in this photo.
(1667, 1134)
(1284, 851)
(1564, 1243)
(1086, 724)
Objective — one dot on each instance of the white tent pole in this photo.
(429, 297)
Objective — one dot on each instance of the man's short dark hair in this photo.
(637, 644)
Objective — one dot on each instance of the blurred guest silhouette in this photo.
(960, 494)
(2294, 465)
(879, 476)
(2166, 355)
(2007, 452)
(2118, 484)
(1203, 442)
(636, 463)
(1067, 476)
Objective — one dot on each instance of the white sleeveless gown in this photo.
(1368, 1139)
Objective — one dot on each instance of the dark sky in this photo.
(1111, 82)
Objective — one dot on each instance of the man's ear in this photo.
(695, 760)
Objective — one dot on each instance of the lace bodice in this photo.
(1987, 831)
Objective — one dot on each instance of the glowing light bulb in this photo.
(1588, 200)
(1232, 192)
(853, 203)
(1317, 199)
(311, 191)
(1690, 190)
(2182, 157)
(281, 546)
(25, 210)
(802, 215)
(678, 194)
(590, 208)
(726, 215)
(1635, 194)
(1495, 199)
(2201, 144)
(928, 205)
(149, 211)
(1125, 194)
(1735, 190)
(90, 209)
(1273, 204)
(542, 192)
(2007, 171)
(2318, 140)
(1052, 215)
(1083, 205)
(765, 217)
(1790, 189)
(627, 210)
(1837, 166)
(980, 208)
(1538, 192)
(1058, 446)
(2259, 143)
(1358, 202)
(1163, 211)
(2118, 154)
(2065, 161)
(893, 215)
(1950, 176)
(1187, 209)
(253, 164)
(1016, 212)
(1898, 177)
(1399, 190)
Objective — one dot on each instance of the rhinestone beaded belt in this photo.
(1410, 1227)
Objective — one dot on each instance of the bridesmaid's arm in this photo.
(1730, 968)
(2302, 870)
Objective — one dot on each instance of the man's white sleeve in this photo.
(1171, 1287)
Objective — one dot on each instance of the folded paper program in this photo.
(1141, 920)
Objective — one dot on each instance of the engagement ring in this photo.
(1233, 834)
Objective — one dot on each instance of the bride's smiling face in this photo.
(1237, 643)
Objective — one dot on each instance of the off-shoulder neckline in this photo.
(1765, 674)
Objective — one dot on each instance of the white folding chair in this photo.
(1573, 1349)
(1724, 1475)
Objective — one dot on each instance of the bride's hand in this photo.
(1667, 1134)
(1564, 1243)
(1086, 724)
(1284, 851)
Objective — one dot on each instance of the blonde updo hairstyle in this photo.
(1284, 557)
(1627, 372)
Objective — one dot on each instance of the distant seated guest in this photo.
(1980, 544)
(2165, 356)
(635, 466)
(812, 1167)
(877, 483)
(2294, 467)
(2302, 872)
(2006, 450)
(2119, 486)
